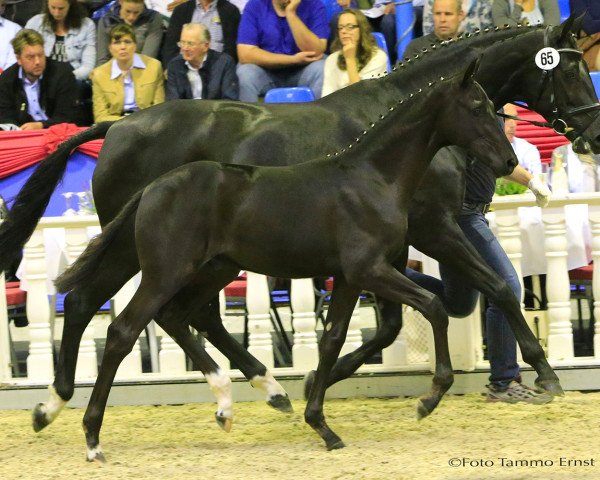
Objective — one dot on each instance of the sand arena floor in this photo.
(465, 438)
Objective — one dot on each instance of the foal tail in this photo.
(33, 198)
(88, 262)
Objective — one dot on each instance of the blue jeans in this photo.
(256, 81)
(459, 299)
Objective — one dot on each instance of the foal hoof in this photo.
(95, 455)
(335, 445)
(224, 422)
(39, 420)
(550, 386)
(422, 410)
(281, 403)
(309, 379)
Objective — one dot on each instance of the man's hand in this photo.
(389, 9)
(307, 57)
(542, 192)
(292, 6)
(343, 3)
(32, 126)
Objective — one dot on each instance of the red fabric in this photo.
(237, 288)
(582, 273)
(545, 139)
(15, 296)
(22, 149)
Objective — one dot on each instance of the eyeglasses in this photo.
(189, 44)
(350, 27)
(127, 43)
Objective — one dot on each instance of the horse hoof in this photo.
(96, 455)
(224, 422)
(309, 379)
(281, 403)
(422, 410)
(551, 387)
(39, 419)
(335, 445)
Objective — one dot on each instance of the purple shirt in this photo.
(261, 26)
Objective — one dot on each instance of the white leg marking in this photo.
(53, 406)
(268, 384)
(92, 453)
(220, 385)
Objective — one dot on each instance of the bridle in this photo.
(558, 118)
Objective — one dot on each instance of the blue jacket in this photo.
(219, 80)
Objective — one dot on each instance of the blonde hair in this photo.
(26, 37)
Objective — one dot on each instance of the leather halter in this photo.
(558, 123)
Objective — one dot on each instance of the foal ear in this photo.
(470, 72)
(572, 24)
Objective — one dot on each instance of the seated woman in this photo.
(532, 12)
(355, 56)
(127, 83)
(69, 36)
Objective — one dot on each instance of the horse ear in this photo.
(570, 25)
(471, 72)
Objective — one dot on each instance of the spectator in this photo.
(69, 36)
(527, 153)
(199, 72)
(147, 25)
(478, 16)
(219, 16)
(532, 12)
(127, 83)
(20, 11)
(355, 55)
(582, 170)
(589, 37)
(447, 18)
(36, 92)
(379, 13)
(281, 44)
(8, 30)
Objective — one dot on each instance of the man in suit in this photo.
(127, 83)
(198, 71)
(36, 92)
(219, 16)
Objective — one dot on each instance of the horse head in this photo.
(471, 123)
(565, 84)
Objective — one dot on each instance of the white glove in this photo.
(542, 192)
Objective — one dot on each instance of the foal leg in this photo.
(385, 281)
(458, 254)
(343, 300)
(208, 322)
(80, 306)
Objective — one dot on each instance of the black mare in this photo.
(149, 143)
(346, 216)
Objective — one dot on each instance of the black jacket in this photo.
(230, 20)
(219, 80)
(58, 95)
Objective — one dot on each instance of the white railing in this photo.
(465, 334)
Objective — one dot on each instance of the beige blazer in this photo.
(109, 95)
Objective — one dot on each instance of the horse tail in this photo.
(88, 262)
(33, 198)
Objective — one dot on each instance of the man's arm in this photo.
(263, 58)
(523, 177)
(306, 40)
(230, 85)
(9, 102)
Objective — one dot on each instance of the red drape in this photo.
(21, 149)
(545, 139)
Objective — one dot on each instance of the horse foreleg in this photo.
(387, 282)
(457, 253)
(81, 304)
(343, 300)
(208, 322)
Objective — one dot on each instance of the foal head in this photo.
(469, 121)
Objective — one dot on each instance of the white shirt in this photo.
(8, 30)
(528, 155)
(334, 78)
(128, 85)
(195, 79)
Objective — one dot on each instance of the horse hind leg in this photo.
(209, 323)
(80, 306)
